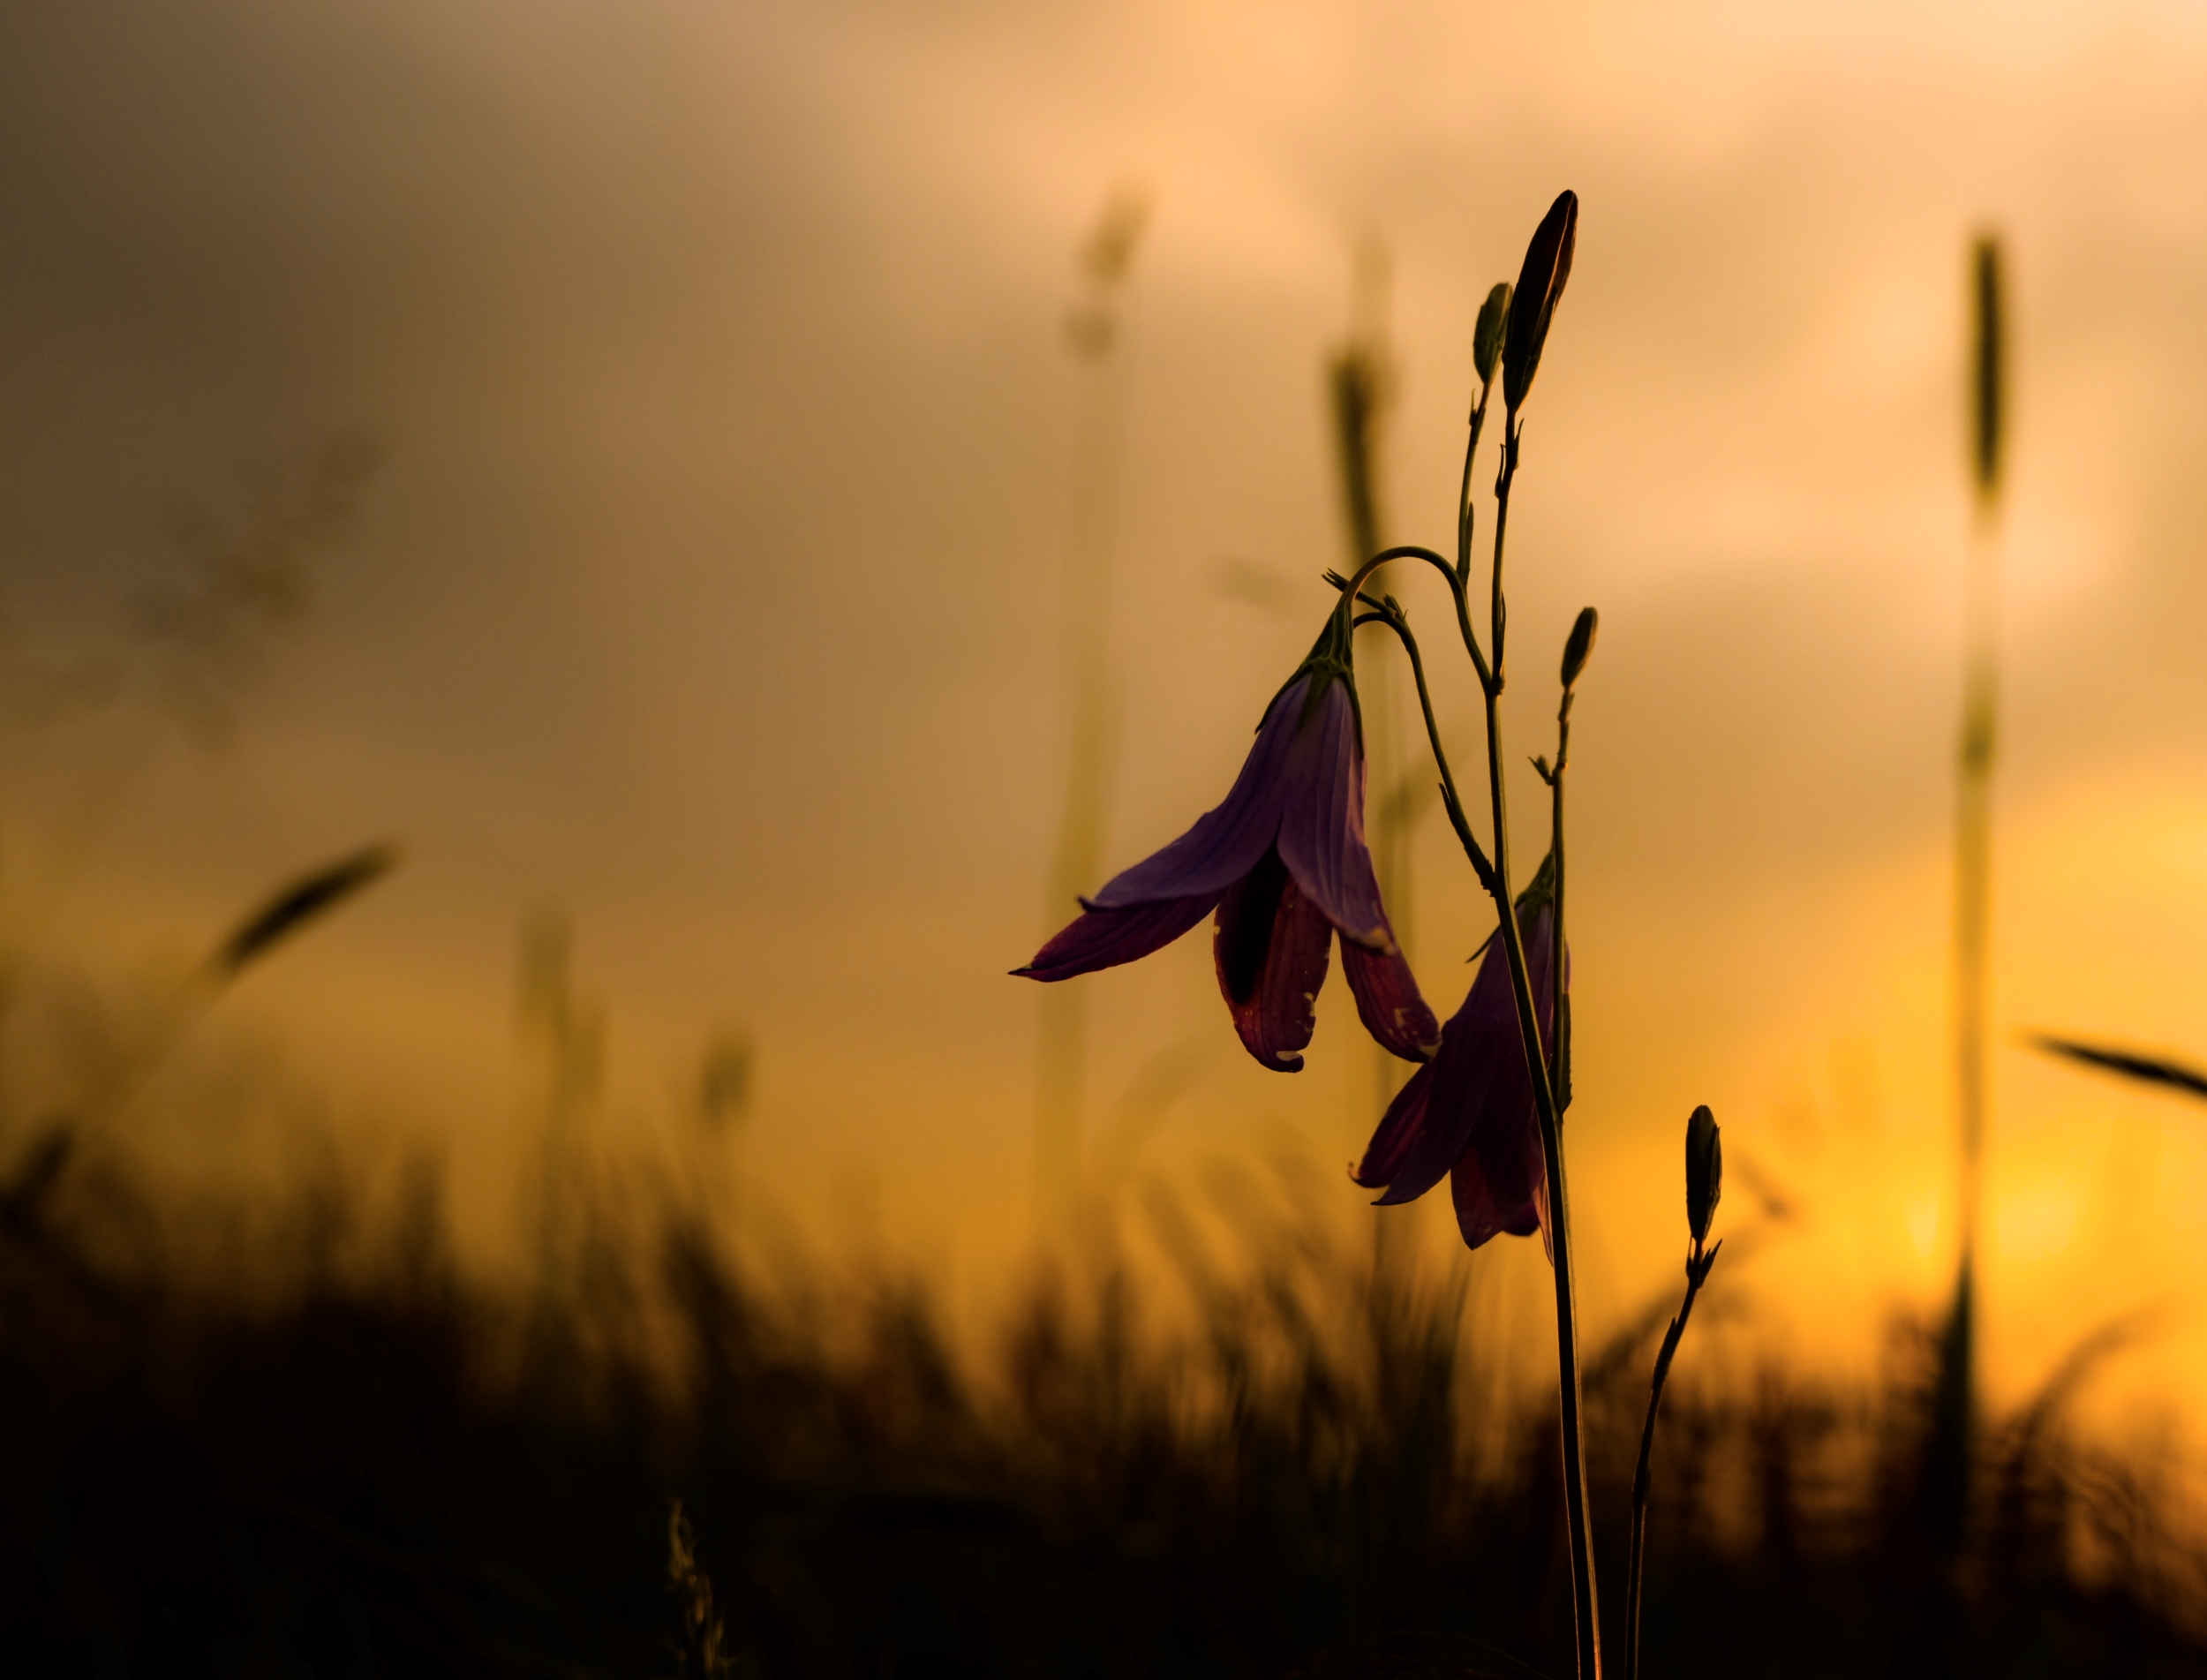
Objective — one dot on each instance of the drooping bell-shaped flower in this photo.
(1469, 1114)
(1283, 862)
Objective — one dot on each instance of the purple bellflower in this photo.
(1283, 862)
(1469, 1112)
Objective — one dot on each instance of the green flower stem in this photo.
(1585, 1614)
(1349, 586)
(1389, 613)
(1512, 430)
(1464, 511)
(1495, 877)
(1559, 1015)
(1697, 1264)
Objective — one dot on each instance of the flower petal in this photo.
(1321, 823)
(1270, 950)
(1480, 1065)
(1490, 1205)
(1227, 840)
(1482, 1092)
(1387, 999)
(1499, 1184)
(1398, 1132)
(1102, 938)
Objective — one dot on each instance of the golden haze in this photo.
(711, 589)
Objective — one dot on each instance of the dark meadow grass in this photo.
(334, 1454)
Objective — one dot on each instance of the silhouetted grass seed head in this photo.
(304, 899)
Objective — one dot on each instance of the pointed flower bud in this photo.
(1494, 320)
(1548, 265)
(1705, 1172)
(1581, 644)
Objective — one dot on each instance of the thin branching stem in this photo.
(1465, 513)
(1512, 430)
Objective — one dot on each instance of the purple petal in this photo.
(1398, 1132)
(1270, 950)
(1321, 823)
(1490, 1205)
(1388, 1000)
(1102, 938)
(1478, 1063)
(1482, 1092)
(1499, 1184)
(1226, 841)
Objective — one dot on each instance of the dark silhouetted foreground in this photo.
(379, 1469)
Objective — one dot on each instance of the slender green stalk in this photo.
(1559, 1071)
(1947, 1465)
(1494, 874)
(1980, 713)
(1586, 1623)
(1391, 614)
(1698, 1266)
(1349, 586)
(1464, 511)
(1498, 609)
(1586, 1620)
(1973, 872)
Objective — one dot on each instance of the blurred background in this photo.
(630, 457)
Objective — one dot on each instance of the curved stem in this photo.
(1698, 1266)
(1385, 612)
(1455, 592)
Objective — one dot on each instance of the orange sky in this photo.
(711, 589)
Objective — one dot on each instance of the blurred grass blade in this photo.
(2149, 1069)
(310, 896)
(39, 1166)
(1356, 379)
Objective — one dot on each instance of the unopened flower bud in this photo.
(1705, 1172)
(1494, 320)
(1548, 265)
(1580, 644)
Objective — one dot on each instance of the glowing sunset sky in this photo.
(711, 589)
